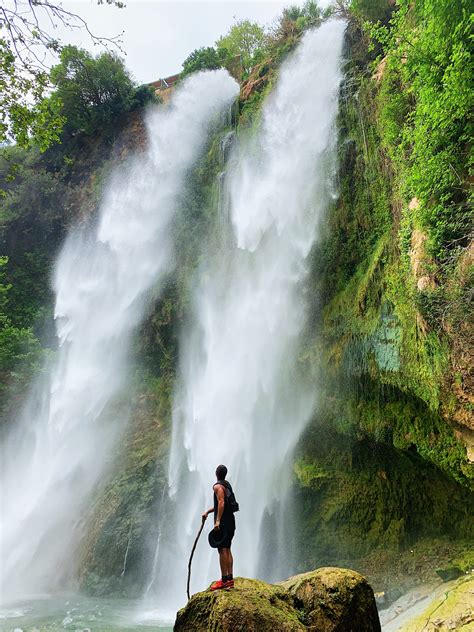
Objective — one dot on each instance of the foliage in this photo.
(31, 221)
(429, 66)
(373, 10)
(244, 39)
(205, 58)
(382, 337)
(93, 91)
(25, 115)
(293, 21)
(20, 350)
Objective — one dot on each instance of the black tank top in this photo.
(228, 519)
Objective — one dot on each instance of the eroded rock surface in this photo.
(326, 600)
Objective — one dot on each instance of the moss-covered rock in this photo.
(335, 599)
(251, 606)
(329, 599)
(451, 610)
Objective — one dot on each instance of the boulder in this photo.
(252, 606)
(326, 600)
(335, 600)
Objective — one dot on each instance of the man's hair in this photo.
(221, 472)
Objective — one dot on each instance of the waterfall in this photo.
(105, 280)
(243, 398)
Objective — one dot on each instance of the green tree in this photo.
(205, 58)
(245, 38)
(25, 116)
(93, 91)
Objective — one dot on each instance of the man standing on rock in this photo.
(224, 527)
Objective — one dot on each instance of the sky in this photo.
(158, 35)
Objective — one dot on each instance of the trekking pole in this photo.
(192, 553)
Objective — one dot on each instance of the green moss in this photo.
(327, 599)
(308, 473)
(252, 606)
(371, 495)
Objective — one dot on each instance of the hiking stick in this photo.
(192, 553)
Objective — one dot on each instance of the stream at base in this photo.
(78, 613)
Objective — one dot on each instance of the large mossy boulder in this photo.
(335, 600)
(326, 600)
(252, 606)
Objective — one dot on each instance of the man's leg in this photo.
(223, 561)
(227, 562)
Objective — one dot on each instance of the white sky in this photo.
(158, 35)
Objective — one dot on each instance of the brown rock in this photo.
(335, 600)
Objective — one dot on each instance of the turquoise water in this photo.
(80, 614)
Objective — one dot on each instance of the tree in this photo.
(205, 58)
(244, 39)
(92, 91)
(25, 115)
(296, 19)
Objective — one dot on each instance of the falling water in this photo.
(104, 280)
(243, 398)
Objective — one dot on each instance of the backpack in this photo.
(229, 494)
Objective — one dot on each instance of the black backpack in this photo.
(233, 504)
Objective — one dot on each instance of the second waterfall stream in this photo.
(242, 398)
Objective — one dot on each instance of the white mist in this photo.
(242, 399)
(104, 280)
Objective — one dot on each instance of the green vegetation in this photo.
(245, 39)
(205, 58)
(94, 92)
(249, 47)
(26, 116)
(20, 352)
(426, 128)
(387, 447)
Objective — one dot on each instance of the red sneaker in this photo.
(219, 584)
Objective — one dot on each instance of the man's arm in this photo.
(206, 513)
(219, 492)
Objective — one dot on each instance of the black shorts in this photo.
(227, 540)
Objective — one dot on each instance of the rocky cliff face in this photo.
(329, 599)
(385, 450)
